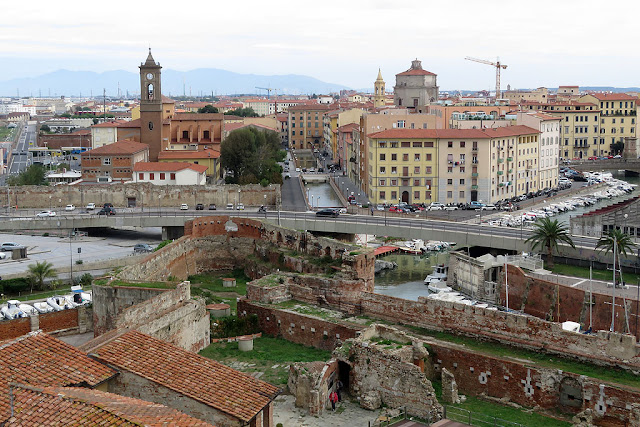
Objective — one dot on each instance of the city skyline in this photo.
(543, 45)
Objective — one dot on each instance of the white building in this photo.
(549, 148)
(170, 173)
(104, 133)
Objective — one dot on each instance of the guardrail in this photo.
(467, 417)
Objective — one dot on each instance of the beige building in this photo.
(549, 149)
(618, 119)
(540, 94)
(415, 87)
(104, 133)
(306, 127)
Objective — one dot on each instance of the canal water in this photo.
(407, 280)
(321, 195)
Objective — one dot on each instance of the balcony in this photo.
(510, 170)
(474, 187)
(474, 149)
(500, 160)
(509, 159)
(500, 172)
(474, 174)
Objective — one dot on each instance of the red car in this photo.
(593, 158)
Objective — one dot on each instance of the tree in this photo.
(251, 156)
(208, 109)
(33, 175)
(617, 147)
(548, 234)
(40, 271)
(243, 112)
(623, 242)
(45, 128)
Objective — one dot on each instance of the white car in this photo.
(379, 207)
(488, 208)
(3, 255)
(451, 208)
(240, 207)
(435, 207)
(91, 206)
(184, 207)
(297, 169)
(45, 214)
(70, 208)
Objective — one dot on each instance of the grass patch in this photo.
(483, 412)
(4, 133)
(610, 374)
(311, 310)
(213, 281)
(267, 353)
(605, 275)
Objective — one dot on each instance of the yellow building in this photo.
(618, 119)
(207, 157)
(452, 165)
(379, 91)
(306, 128)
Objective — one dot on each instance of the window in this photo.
(416, 194)
(383, 157)
(185, 134)
(394, 157)
(450, 169)
(152, 176)
(383, 195)
(428, 145)
(400, 124)
(461, 169)
(205, 134)
(462, 194)
(382, 144)
(405, 157)
(141, 176)
(394, 182)
(416, 157)
(405, 171)
(450, 144)
(427, 194)
(394, 169)
(405, 144)
(428, 157)
(428, 169)
(106, 161)
(162, 177)
(382, 182)
(416, 182)
(450, 182)
(393, 144)
(383, 169)
(394, 195)
(449, 194)
(417, 145)
(462, 144)
(173, 176)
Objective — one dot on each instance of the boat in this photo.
(12, 310)
(28, 309)
(58, 303)
(43, 307)
(438, 287)
(439, 274)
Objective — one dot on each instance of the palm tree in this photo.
(622, 240)
(40, 271)
(548, 234)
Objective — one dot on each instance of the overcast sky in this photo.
(543, 42)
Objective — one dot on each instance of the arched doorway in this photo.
(405, 196)
(344, 373)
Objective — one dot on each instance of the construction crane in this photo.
(268, 89)
(496, 64)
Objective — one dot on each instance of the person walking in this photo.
(333, 398)
(339, 387)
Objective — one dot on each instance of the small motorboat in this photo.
(439, 274)
(42, 307)
(12, 310)
(28, 309)
(438, 287)
(58, 303)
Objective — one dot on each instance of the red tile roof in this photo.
(416, 72)
(509, 131)
(614, 97)
(212, 383)
(112, 124)
(178, 154)
(167, 167)
(123, 147)
(198, 116)
(40, 359)
(65, 406)
(130, 124)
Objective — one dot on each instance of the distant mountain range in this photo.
(204, 81)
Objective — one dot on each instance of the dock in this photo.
(384, 250)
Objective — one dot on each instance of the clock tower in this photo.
(151, 107)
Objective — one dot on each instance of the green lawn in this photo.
(4, 133)
(538, 359)
(607, 275)
(213, 281)
(271, 356)
(483, 412)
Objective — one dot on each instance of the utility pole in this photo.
(104, 104)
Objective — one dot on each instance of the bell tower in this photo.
(379, 94)
(151, 106)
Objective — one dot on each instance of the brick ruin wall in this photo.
(169, 315)
(539, 298)
(476, 374)
(65, 322)
(145, 194)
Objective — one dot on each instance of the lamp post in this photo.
(49, 202)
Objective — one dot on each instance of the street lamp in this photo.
(49, 202)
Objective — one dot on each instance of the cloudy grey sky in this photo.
(543, 42)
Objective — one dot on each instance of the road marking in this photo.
(578, 283)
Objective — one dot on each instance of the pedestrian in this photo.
(333, 398)
(339, 387)
(371, 210)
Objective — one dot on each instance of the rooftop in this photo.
(167, 167)
(117, 148)
(214, 384)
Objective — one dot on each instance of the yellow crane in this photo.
(268, 89)
(496, 64)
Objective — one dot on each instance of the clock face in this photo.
(149, 76)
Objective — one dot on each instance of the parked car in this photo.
(379, 208)
(435, 206)
(45, 214)
(184, 207)
(617, 156)
(240, 207)
(199, 207)
(230, 206)
(489, 207)
(142, 248)
(212, 207)
(593, 158)
(451, 208)
(328, 212)
(476, 205)
(91, 206)
(3, 255)
(9, 246)
(69, 208)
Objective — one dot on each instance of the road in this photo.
(21, 159)
(292, 192)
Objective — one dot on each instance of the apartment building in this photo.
(549, 150)
(335, 119)
(540, 94)
(306, 129)
(452, 165)
(618, 119)
(447, 115)
(579, 128)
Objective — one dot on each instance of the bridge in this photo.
(403, 227)
(608, 164)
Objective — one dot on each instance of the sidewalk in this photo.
(345, 185)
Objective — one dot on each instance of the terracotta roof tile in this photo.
(64, 406)
(416, 72)
(614, 97)
(123, 147)
(112, 124)
(198, 116)
(130, 124)
(214, 384)
(40, 359)
(167, 167)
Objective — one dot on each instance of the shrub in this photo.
(14, 286)
(79, 261)
(234, 326)
(162, 245)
